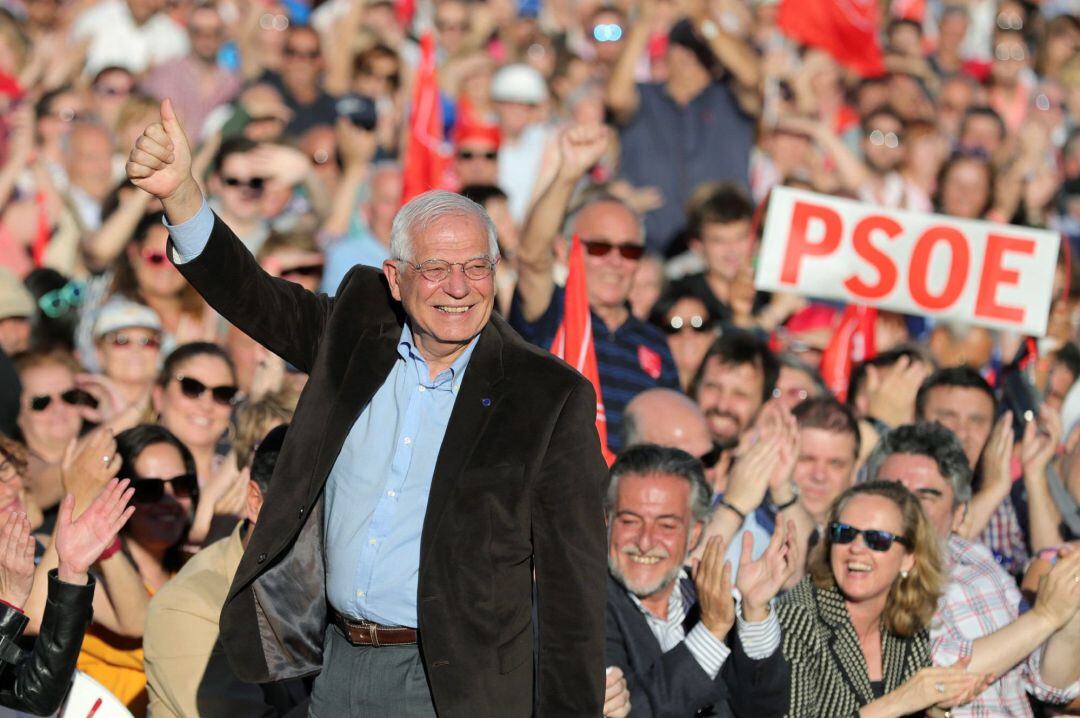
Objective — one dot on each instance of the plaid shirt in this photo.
(982, 598)
(1004, 537)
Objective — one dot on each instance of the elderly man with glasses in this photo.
(435, 536)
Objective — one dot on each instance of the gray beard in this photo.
(643, 591)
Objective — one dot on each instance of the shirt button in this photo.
(408, 441)
(422, 388)
(262, 557)
(359, 594)
(391, 493)
(373, 541)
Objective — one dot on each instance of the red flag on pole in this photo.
(852, 342)
(574, 339)
(846, 29)
(426, 157)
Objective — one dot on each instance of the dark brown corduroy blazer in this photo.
(517, 486)
(828, 671)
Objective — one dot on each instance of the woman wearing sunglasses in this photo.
(855, 630)
(161, 471)
(690, 330)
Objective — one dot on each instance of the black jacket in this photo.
(518, 485)
(673, 685)
(37, 681)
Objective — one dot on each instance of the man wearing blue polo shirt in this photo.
(631, 356)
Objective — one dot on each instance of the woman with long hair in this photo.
(856, 628)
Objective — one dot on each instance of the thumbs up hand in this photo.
(160, 163)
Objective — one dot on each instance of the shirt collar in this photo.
(677, 601)
(407, 350)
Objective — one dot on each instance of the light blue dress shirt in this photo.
(377, 492)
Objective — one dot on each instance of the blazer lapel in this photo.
(844, 649)
(895, 659)
(472, 410)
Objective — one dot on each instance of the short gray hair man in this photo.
(424, 210)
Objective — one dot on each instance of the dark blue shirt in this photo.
(630, 359)
(677, 147)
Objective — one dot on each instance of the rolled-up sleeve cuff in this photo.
(1043, 690)
(759, 639)
(708, 650)
(189, 238)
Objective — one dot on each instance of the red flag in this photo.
(574, 339)
(852, 342)
(846, 29)
(426, 156)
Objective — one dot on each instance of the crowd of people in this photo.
(909, 545)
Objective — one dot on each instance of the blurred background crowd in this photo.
(655, 129)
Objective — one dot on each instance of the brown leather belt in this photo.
(366, 633)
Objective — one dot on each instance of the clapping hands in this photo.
(16, 559)
(79, 542)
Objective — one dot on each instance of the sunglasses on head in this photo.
(193, 389)
(875, 540)
(71, 397)
(58, 302)
(696, 322)
(304, 270)
(255, 183)
(151, 490)
(601, 248)
(490, 155)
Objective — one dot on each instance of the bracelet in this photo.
(730, 507)
(113, 548)
(787, 504)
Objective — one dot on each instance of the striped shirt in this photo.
(759, 639)
(630, 359)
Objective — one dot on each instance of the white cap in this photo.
(519, 83)
(120, 313)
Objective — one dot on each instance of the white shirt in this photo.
(115, 39)
(519, 165)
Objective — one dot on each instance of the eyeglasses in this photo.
(58, 302)
(268, 21)
(255, 183)
(152, 256)
(1043, 103)
(193, 389)
(696, 322)
(8, 471)
(71, 397)
(887, 139)
(1010, 21)
(1016, 53)
(150, 490)
(796, 394)
(712, 457)
(451, 26)
(391, 78)
(876, 540)
(305, 270)
(490, 155)
(436, 270)
(302, 54)
(66, 114)
(125, 340)
(607, 32)
(600, 248)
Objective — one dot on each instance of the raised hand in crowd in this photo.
(16, 560)
(616, 694)
(996, 463)
(1058, 599)
(712, 580)
(221, 502)
(1038, 447)
(81, 541)
(891, 391)
(160, 163)
(89, 462)
(932, 687)
(759, 581)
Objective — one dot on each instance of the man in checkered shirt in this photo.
(979, 614)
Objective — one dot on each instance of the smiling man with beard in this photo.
(736, 377)
(670, 634)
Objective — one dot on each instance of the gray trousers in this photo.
(362, 681)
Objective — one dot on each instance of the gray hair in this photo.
(424, 210)
(933, 441)
(646, 459)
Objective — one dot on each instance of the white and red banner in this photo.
(993, 275)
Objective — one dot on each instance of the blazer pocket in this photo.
(517, 650)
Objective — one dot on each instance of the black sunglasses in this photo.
(255, 183)
(193, 389)
(305, 270)
(73, 397)
(151, 490)
(471, 155)
(875, 540)
(600, 248)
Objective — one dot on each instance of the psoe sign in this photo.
(978, 272)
